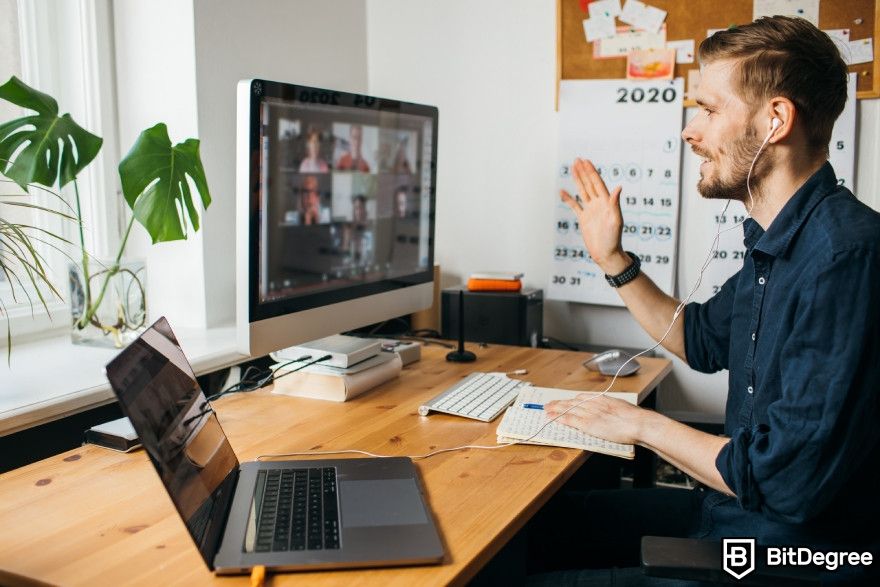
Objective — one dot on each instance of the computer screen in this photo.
(336, 205)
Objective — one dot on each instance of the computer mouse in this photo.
(610, 361)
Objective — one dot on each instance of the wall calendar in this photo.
(631, 131)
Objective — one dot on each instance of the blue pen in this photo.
(533, 406)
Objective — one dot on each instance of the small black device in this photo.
(460, 355)
(514, 318)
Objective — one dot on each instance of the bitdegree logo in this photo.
(739, 557)
(789, 556)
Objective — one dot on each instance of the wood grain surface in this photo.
(92, 516)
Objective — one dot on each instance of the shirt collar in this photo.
(776, 240)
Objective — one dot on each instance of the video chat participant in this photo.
(797, 328)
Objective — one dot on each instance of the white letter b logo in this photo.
(739, 556)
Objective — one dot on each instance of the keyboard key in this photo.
(481, 396)
(298, 511)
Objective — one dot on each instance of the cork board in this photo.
(691, 20)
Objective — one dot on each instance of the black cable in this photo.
(560, 343)
(255, 378)
(286, 373)
(428, 341)
(424, 333)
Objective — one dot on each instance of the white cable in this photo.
(709, 258)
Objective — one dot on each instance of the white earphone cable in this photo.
(709, 258)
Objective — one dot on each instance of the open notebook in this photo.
(520, 423)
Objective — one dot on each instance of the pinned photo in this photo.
(650, 64)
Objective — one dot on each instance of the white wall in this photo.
(298, 41)
(156, 82)
(490, 68)
(186, 76)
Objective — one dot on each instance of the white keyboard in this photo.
(481, 396)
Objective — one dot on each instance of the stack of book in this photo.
(495, 282)
(355, 366)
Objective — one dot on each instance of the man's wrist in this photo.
(649, 425)
(616, 263)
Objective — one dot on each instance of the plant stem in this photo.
(84, 319)
(92, 308)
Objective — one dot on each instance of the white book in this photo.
(521, 423)
(344, 350)
(337, 386)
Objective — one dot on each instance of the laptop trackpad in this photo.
(381, 502)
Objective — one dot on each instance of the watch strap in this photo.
(627, 274)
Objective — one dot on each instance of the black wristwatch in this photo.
(628, 274)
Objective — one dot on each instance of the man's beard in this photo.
(740, 155)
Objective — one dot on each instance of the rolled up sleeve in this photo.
(824, 425)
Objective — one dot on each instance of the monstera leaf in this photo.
(42, 148)
(154, 182)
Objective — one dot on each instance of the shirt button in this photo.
(762, 281)
(750, 389)
(753, 336)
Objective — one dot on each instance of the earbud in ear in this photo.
(775, 123)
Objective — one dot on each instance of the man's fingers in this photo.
(580, 178)
(596, 181)
(572, 202)
(567, 407)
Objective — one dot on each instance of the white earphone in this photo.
(774, 124)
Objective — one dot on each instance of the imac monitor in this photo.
(335, 209)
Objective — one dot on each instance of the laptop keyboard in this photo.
(299, 510)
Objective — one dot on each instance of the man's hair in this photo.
(788, 57)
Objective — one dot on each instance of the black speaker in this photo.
(514, 318)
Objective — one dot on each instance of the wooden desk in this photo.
(96, 517)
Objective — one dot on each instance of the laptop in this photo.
(286, 515)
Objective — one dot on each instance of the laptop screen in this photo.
(158, 391)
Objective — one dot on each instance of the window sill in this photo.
(52, 378)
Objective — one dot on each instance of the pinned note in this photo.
(628, 40)
(840, 37)
(643, 16)
(598, 28)
(604, 8)
(861, 51)
(684, 50)
(806, 9)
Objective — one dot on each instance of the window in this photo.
(65, 50)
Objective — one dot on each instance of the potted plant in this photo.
(48, 149)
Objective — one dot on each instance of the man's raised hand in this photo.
(599, 217)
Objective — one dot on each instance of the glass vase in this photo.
(112, 310)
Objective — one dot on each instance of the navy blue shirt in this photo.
(798, 329)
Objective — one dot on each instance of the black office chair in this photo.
(700, 560)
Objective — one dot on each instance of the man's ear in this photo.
(780, 109)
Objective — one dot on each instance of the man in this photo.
(798, 327)
(401, 200)
(310, 202)
(354, 160)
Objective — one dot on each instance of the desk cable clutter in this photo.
(712, 248)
